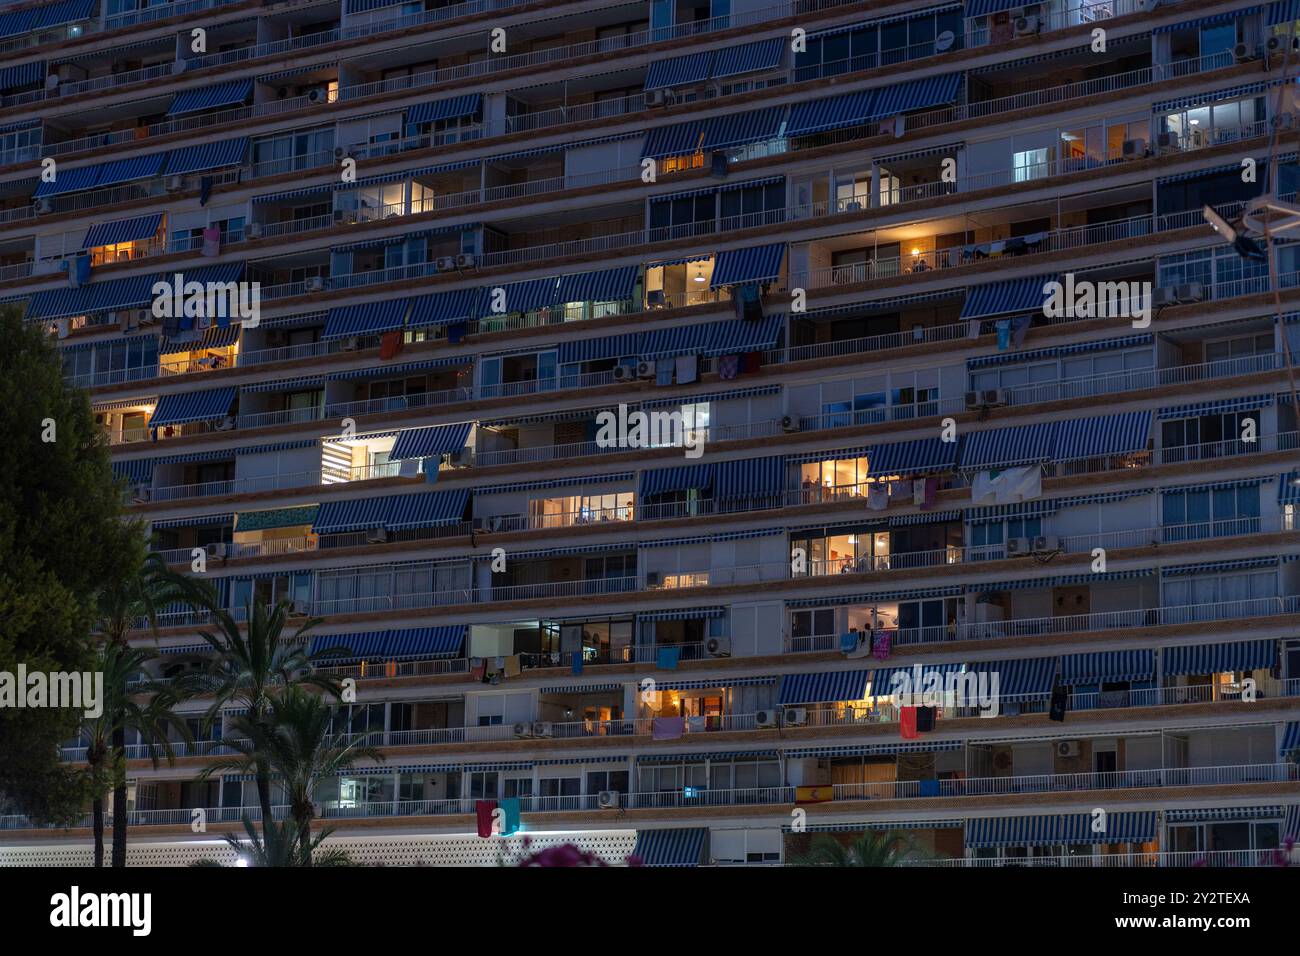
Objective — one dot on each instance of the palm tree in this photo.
(137, 594)
(121, 711)
(870, 849)
(283, 846)
(295, 743)
(246, 667)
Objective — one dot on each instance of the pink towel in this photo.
(212, 241)
(667, 728)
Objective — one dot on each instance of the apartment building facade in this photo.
(844, 255)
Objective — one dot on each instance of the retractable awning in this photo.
(1070, 828)
(681, 478)
(452, 108)
(1032, 677)
(823, 687)
(1004, 298)
(671, 847)
(393, 644)
(198, 159)
(1102, 666)
(679, 70)
(232, 93)
(192, 407)
(122, 230)
(369, 318)
(430, 442)
(609, 285)
(1219, 658)
(1220, 407)
(444, 308)
(752, 264)
(749, 476)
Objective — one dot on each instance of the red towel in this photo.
(907, 723)
(753, 361)
(390, 345)
(483, 810)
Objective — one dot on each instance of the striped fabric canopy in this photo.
(1062, 441)
(1005, 298)
(1219, 658)
(682, 614)
(982, 8)
(752, 264)
(430, 442)
(526, 296)
(882, 679)
(1222, 406)
(679, 70)
(394, 644)
(444, 308)
(453, 108)
(1207, 20)
(749, 476)
(1031, 677)
(835, 112)
(1290, 742)
(56, 14)
(1016, 445)
(198, 159)
(1102, 666)
(1283, 11)
(916, 457)
(681, 478)
(302, 515)
(741, 129)
(671, 847)
(135, 471)
(370, 318)
(102, 174)
(211, 97)
(877, 750)
(593, 350)
(749, 58)
(192, 407)
(122, 230)
(425, 509)
(610, 285)
(682, 340)
(301, 383)
(1288, 486)
(1007, 358)
(1070, 828)
(823, 687)
(357, 514)
(196, 521)
(1213, 96)
(1218, 567)
(25, 74)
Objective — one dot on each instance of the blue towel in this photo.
(577, 662)
(510, 815)
(929, 788)
(456, 332)
(83, 268)
(1004, 334)
(664, 369)
(430, 468)
(848, 642)
(205, 190)
(668, 658)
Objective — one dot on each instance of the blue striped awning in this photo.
(300, 383)
(1019, 677)
(749, 57)
(526, 296)
(675, 140)
(393, 644)
(671, 847)
(982, 8)
(1208, 814)
(103, 174)
(835, 112)
(122, 230)
(444, 308)
(679, 70)
(610, 285)
(1214, 96)
(196, 521)
(1290, 742)
(1070, 828)
(16, 22)
(136, 471)
(1006, 358)
(1207, 20)
(56, 14)
(369, 318)
(1017, 445)
(1220, 407)
(1002, 298)
(682, 340)
(743, 335)
(917, 457)
(1061, 580)
(1288, 485)
(682, 614)
(882, 678)
(593, 350)
(25, 74)
(192, 407)
(1103, 436)
(426, 509)
(1219, 658)
(877, 750)
(453, 108)
(918, 94)
(198, 159)
(823, 687)
(58, 303)
(210, 97)
(749, 476)
(753, 264)
(681, 478)
(357, 514)
(429, 442)
(1218, 567)
(1101, 666)
(741, 129)
(1283, 11)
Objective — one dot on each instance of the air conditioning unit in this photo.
(226, 424)
(718, 646)
(1166, 141)
(175, 183)
(496, 523)
(462, 458)
(1028, 26)
(1163, 296)
(795, 716)
(445, 263)
(1189, 292)
(1135, 148)
(652, 579)
(765, 718)
(316, 96)
(346, 217)
(1047, 544)
(342, 152)
(1283, 121)
(1243, 52)
(542, 728)
(129, 320)
(624, 373)
(1275, 44)
(1067, 748)
(350, 344)
(523, 729)
(645, 369)
(314, 284)
(608, 799)
(986, 398)
(376, 536)
(1148, 5)
(140, 492)
(145, 317)
(216, 549)
(42, 206)
(657, 98)
(1019, 547)
(789, 423)
(299, 608)
(466, 260)
(253, 230)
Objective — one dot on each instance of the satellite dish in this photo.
(944, 41)
(52, 81)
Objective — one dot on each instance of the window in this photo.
(1030, 164)
(1189, 515)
